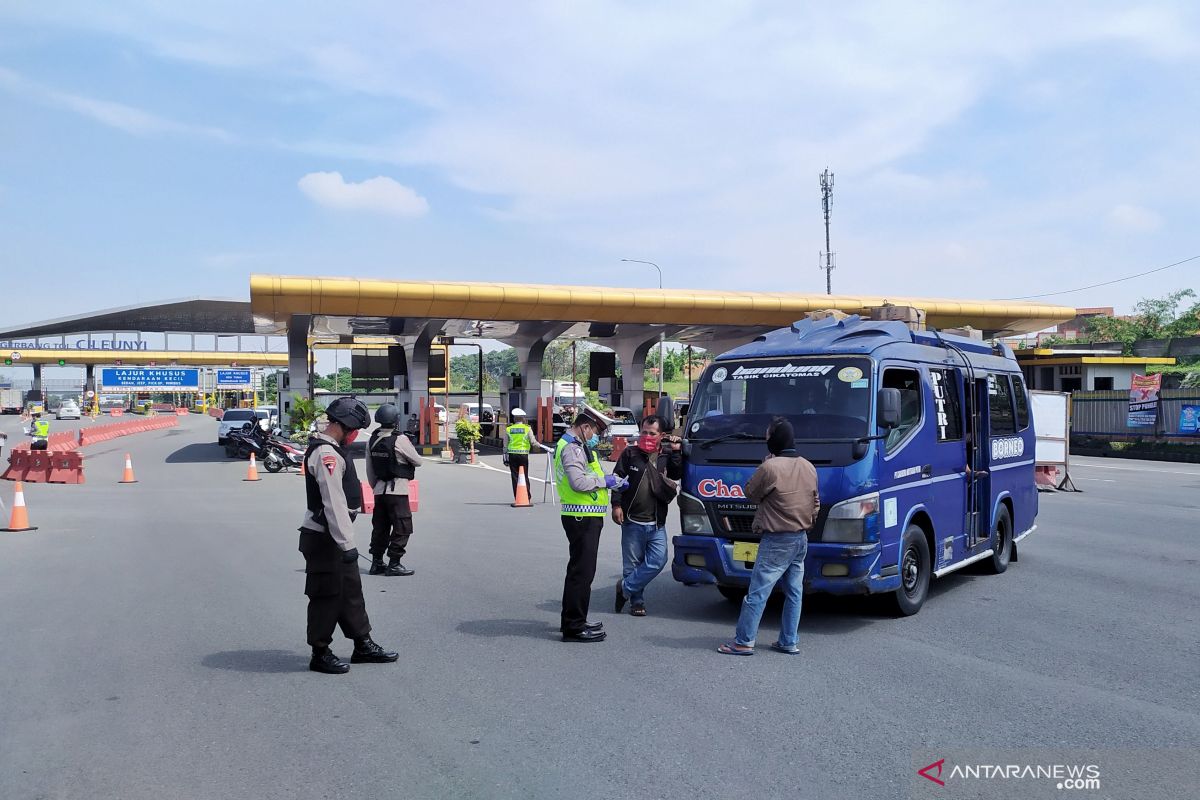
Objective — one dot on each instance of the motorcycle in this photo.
(240, 443)
(279, 454)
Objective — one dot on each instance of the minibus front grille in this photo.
(737, 523)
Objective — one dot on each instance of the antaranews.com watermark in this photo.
(1032, 774)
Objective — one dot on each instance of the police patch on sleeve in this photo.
(330, 462)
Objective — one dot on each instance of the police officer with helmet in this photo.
(520, 440)
(391, 463)
(332, 581)
(583, 496)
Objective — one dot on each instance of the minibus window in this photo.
(1000, 408)
(908, 381)
(1022, 403)
(947, 404)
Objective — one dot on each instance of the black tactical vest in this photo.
(384, 462)
(351, 485)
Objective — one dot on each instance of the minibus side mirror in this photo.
(666, 410)
(888, 408)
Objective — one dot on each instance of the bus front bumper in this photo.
(828, 567)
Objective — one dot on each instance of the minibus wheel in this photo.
(1002, 542)
(915, 572)
(734, 594)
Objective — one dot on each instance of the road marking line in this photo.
(1133, 469)
(504, 471)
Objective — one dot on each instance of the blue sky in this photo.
(152, 150)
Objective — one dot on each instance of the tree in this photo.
(335, 381)
(556, 362)
(1153, 318)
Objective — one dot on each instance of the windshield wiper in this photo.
(844, 439)
(707, 443)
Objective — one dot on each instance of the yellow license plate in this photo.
(745, 551)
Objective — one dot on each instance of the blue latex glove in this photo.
(613, 482)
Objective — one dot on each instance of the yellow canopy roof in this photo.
(273, 299)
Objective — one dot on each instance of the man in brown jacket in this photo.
(785, 489)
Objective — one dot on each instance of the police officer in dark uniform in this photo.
(332, 581)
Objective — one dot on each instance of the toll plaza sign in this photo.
(141, 379)
(234, 379)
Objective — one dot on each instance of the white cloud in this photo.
(1136, 219)
(380, 194)
(115, 115)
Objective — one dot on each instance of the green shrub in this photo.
(468, 432)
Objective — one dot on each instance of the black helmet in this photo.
(387, 415)
(351, 414)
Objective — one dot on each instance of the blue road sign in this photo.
(144, 379)
(233, 378)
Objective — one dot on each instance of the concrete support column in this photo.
(530, 343)
(36, 394)
(298, 376)
(631, 357)
(416, 381)
(89, 384)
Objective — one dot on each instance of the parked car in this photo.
(624, 425)
(235, 418)
(486, 420)
(67, 409)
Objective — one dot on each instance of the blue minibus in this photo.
(923, 443)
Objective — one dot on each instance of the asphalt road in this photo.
(153, 647)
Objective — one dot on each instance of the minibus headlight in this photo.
(853, 521)
(693, 518)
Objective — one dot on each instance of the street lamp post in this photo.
(662, 337)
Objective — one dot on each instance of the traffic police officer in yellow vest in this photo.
(583, 496)
(39, 429)
(520, 441)
(332, 581)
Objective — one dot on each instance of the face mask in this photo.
(350, 437)
(594, 440)
(648, 442)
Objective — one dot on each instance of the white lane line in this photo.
(1131, 469)
(481, 465)
(1100, 480)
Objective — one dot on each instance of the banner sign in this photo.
(143, 379)
(78, 344)
(233, 379)
(1143, 400)
(1189, 419)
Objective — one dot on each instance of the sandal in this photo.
(638, 611)
(735, 650)
(777, 647)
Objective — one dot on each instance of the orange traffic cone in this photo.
(19, 521)
(252, 470)
(522, 491)
(128, 476)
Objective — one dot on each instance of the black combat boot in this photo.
(395, 568)
(324, 660)
(377, 567)
(367, 652)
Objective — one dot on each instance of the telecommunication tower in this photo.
(827, 204)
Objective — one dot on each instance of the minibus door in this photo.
(978, 479)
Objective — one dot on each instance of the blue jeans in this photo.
(644, 554)
(780, 556)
